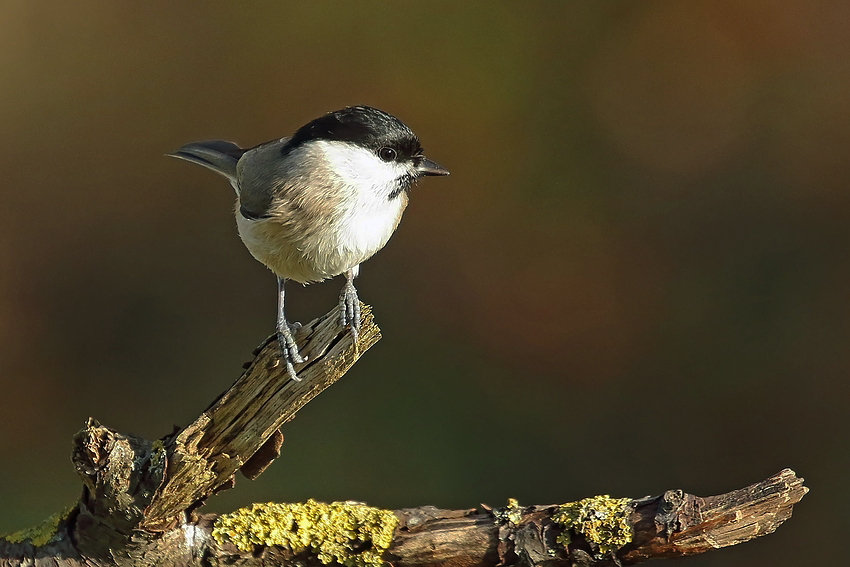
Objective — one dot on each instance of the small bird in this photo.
(319, 203)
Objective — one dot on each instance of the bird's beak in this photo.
(428, 167)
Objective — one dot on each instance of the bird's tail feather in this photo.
(217, 155)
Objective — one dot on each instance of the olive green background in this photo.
(635, 279)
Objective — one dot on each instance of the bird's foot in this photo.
(289, 350)
(349, 308)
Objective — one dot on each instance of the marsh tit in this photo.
(319, 203)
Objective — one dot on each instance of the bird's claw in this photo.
(349, 309)
(289, 350)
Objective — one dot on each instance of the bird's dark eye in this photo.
(387, 154)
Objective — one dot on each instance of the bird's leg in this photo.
(349, 303)
(288, 349)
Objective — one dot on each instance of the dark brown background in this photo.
(635, 279)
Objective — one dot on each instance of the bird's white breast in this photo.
(343, 217)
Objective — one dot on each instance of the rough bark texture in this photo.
(139, 496)
(674, 524)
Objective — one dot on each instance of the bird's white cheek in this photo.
(380, 176)
(361, 169)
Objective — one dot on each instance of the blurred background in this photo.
(635, 279)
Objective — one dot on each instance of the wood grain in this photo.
(139, 496)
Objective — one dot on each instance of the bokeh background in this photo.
(635, 279)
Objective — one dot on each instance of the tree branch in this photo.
(139, 497)
(204, 456)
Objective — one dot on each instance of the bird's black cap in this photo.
(361, 125)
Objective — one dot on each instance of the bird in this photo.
(319, 203)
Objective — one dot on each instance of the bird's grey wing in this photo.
(258, 174)
(218, 155)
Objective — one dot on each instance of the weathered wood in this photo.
(687, 524)
(139, 496)
(674, 524)
(204, 456)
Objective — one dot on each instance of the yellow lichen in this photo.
(157, 454)
(348, 533)
(43, 532)
(602, 520)
(512, 513)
